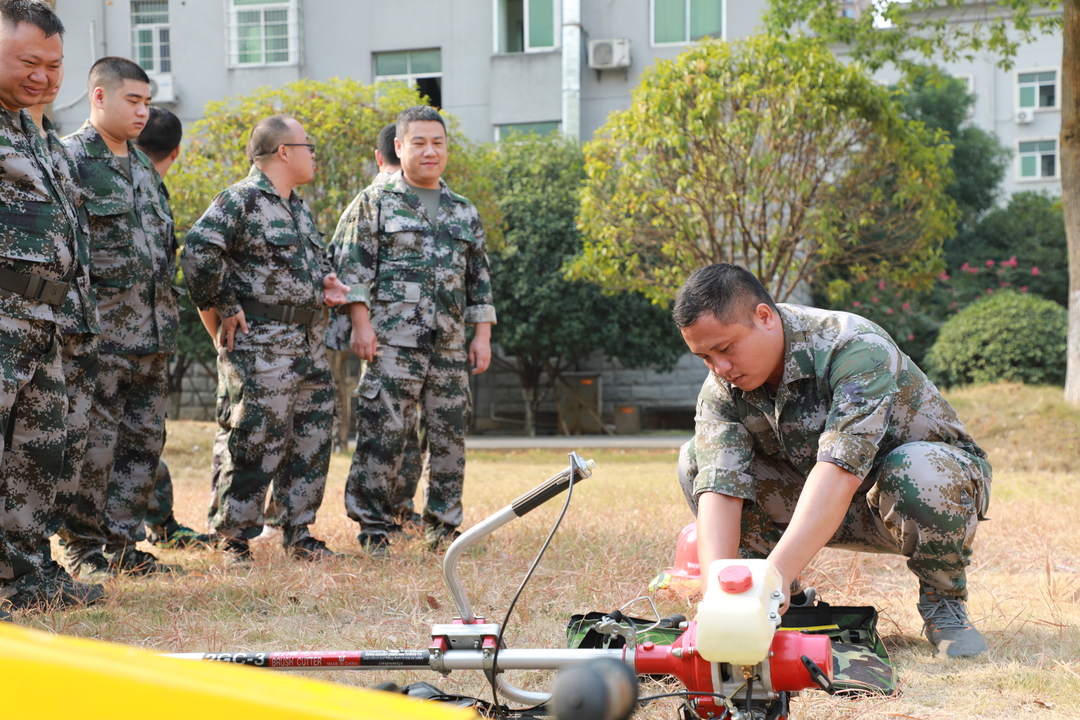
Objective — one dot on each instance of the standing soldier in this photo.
(38, 251)
(256, 261)
(160, 141)
(414, 256)
(79, 328)
(133, 265)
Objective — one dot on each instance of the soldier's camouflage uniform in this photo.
(79, 330)
(37, 237)
(276, 406)
(133, 264)
(423, 279)
(338, 337)
(848, 396)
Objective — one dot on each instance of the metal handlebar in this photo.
(578, 469)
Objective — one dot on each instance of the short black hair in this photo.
(417, 113)
(727, 291)
(35, 12)
(267, 136)
(111, 71)
(385, 144)
(161, 134)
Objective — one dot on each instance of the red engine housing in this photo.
(786, 671)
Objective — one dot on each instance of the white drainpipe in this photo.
(571, 68)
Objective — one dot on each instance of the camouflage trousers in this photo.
(159, 506)
(276, 414)
(79, 358)
(402, 390)
(127, 433)
(924, 502)
(33, 413)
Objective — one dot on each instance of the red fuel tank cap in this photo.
(736, 579)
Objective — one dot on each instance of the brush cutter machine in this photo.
(746, 669)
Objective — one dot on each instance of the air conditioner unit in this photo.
(609, 54)
(161, 88)
(1025, 116)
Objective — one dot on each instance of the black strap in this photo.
(34, 287)
(281, 313)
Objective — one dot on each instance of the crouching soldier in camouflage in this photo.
(413, 253)
(254, 262)
(815, 430)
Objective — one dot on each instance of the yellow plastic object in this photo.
(53, 677)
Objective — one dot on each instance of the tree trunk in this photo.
(175, 384)
(339, 367)
(529, 394)
(1070, 184)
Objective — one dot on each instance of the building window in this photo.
(525, 25)
(682, 21)
(422, 68)
(1037, 89)
(509, 132)
(1038, 159)
(150, 35)
(263, 32)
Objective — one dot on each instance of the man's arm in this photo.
(824, 501)
(480, 349)
(363, 342)
(211, 322)
(719, 523)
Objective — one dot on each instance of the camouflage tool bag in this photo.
(861, 663)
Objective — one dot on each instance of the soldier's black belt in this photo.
(34, 287)
(281, 313)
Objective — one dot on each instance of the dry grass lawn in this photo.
(619, 532)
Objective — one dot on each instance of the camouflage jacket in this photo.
(37, 219)
(79, 314)
(848, 396)
(131, 247)
(423, 281)
(251, 244)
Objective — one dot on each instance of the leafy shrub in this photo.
(1005, 336)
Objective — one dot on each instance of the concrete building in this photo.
(501, 66)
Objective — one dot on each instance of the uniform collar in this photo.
(258, 177)
(798, 356)
(96, 147)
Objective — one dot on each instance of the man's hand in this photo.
(824, 501)
(363, 342)
(227, 329)
(480, 349)
(334, 290)
(719, 524)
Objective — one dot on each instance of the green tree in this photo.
(959, 29)
(343, 117)
(768, 153)
(546, 322)
(978, 163)
(979, 160)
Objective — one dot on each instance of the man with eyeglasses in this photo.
(257, 270)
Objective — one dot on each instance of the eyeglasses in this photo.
(309, 146)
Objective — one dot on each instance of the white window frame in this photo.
(687, 41)
(1039, 178)
(410, 77)
(1056, 107)
(232, 38)
(499, 39)
(155, 29)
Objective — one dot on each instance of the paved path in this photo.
(574, 442)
